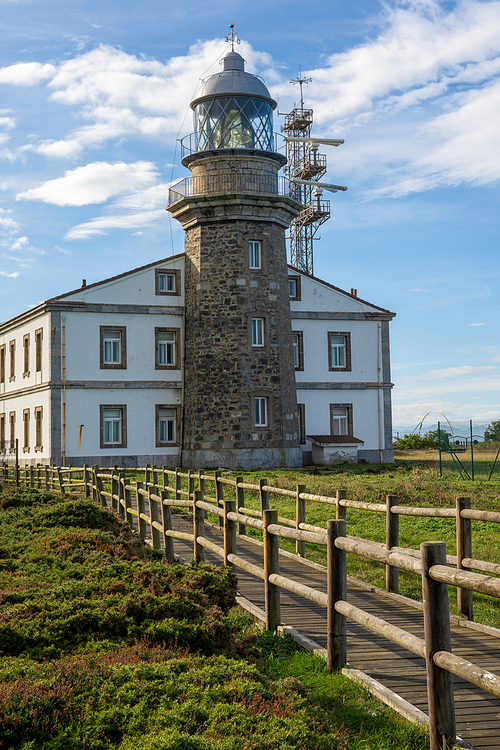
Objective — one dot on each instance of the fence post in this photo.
(114, 488)
(178, 484)
(240, 503)
(146, 476)
(219, 495)
(167, 526)
(128, 504)
(86, 489)
(391, 540)
(464, 549)
(190, 485)
(264, 496)
(155, 534)
(341, 509)
(98, 482)
(300, 517)
(61, 480)
(437, 638)
(140, 511)
(122, 505)
(337, 587)
(271, 565)
(229, 531)
(46, 478)
(198, 528)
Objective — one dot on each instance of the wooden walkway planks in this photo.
(477, 712)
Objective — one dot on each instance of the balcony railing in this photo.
(231, 182)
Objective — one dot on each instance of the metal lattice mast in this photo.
(304, 163)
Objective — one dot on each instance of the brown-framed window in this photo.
(2, 364)
(298, 349)
(255, 250)
(168, 281)
(302, 423)
(339, 350)
(26, 355)
(26, 430)
(167, 421)
(12, 430)
(258, 331)
(3, 446)
(341, 419)
(167, 348)
(38, 349)
(262, 410)
(294, 290)
(12, 353)
(38, 428)
(113, 425)
(113, 347)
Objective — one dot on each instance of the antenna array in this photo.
(305, 167)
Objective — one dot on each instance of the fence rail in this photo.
(154, 501)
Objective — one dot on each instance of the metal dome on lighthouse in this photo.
(233, 109)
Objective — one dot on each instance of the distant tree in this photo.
(410, 442)
(429, 440)
(492, 432)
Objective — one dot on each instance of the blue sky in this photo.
(94, 95)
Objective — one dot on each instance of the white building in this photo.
(95, 376)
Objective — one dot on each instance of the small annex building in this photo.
(96, 375)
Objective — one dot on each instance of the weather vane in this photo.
(233, 36)
(301, 80)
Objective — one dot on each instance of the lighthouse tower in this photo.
(240, 404)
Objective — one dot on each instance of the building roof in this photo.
(334, 439)
(115, 278)
(338, 289)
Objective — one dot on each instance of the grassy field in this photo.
(104, 646)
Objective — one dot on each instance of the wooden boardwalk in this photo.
(477, 712)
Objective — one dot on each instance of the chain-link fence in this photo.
(470, 449)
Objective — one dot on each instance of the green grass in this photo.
(104, 646)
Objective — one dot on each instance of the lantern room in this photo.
(233, 110)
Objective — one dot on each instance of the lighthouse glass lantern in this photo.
(239, 120)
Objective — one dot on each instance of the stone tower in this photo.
(240, 404)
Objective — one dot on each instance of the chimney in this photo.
(354, 292)
(84, 282)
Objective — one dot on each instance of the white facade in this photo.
(97, 374)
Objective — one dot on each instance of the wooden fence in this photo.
(154, 501)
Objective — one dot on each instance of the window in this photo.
(167, 282)
(26, 355)
(113, 348)
(260, 411)
(257, 331)
(2, 364)
(12, 425)
(294, 287)
(113, 426)
(26, 430)
(254, 254)
(167, 349)
(38, 349)
(12, 352)
(302, 423)
(341, 419)
(298, 349)
(167, 421)
(38, 428)
(2, 433)
(339, 351)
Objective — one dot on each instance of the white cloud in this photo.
(458, 372)
(474, 325)
(9, 275)
(93, 183)
(26, 74)
(129, 212)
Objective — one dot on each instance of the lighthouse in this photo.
(239, 401)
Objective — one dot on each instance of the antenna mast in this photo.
(305, 166)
